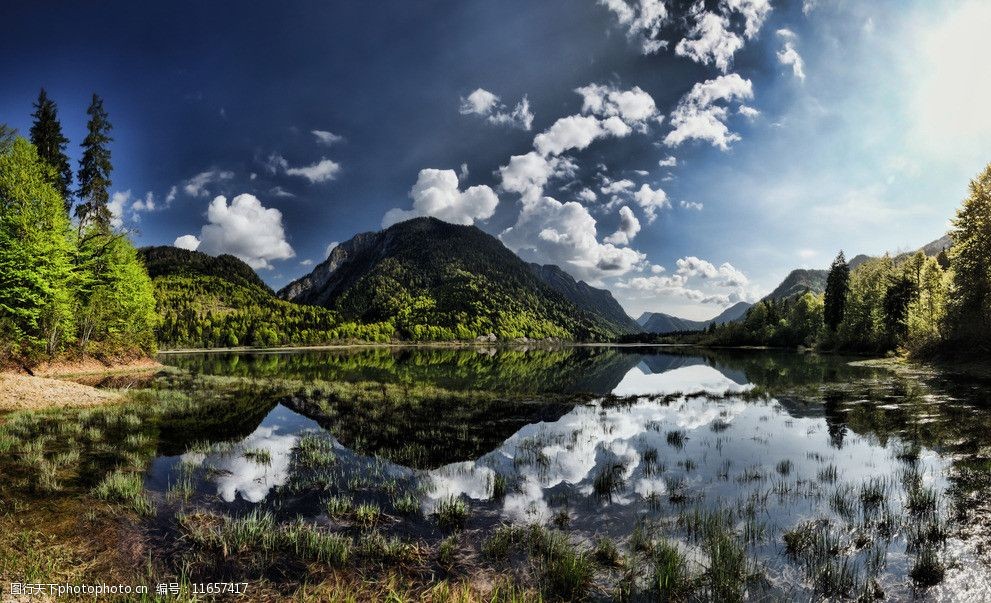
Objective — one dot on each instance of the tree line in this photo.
(69, 282)
(923, 305)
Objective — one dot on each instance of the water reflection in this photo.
(608, 465)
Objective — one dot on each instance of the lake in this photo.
(766, 475)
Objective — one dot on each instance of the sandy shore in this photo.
(48, 386)
(24, 392)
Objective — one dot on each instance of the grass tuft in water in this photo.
(126, 488)
(451, 513)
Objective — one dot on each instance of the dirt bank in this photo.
(24, 392)
(92, 366)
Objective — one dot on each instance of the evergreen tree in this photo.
(837, 285)
(47, 138)
(95, 168)
(970, 260)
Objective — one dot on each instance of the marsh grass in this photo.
(609, 481)
(260, 456)
(126, 488)
(451, 513)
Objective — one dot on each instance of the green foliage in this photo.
(970, 259)
(220, 302)
(47, 138)
(95, 168)
(439, 281)
(117, 302)
(837, 285)
(36, 278)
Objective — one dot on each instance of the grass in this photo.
(339, 507)
(669, 578)
(451, 513)
(260, 456)
(125, 488)
(407, 505)
(609, 480)
(566, 573)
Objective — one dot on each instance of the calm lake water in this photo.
(846, 452)
(818, 465)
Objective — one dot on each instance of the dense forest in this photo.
(69, 284)
(923, 305)
(212, 302)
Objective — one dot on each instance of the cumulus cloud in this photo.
(669, 161)
(321, 171)
(200, 184)
(651, 201)
(170, 197)
(709, 40)
(245, 229)
(565, 234)
(326, 138)
(696, 280)
(642, 19)
(634, 106)
(124, 205)
(754, 14)
(526, 175)
(577, 132)
(691, 205)
(587, 195)
(698, 117)
(788, 55)
(628, 228)
(333, 245)
(616, 187)
(436, 194)
(485, 104)
(190, 242)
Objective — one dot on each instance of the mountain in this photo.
(598, 302)
(208, 301)
(435, 280)
(801, 280)
(798, 282)
(657, 322)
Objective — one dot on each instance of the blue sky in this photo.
(683, 155)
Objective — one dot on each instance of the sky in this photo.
(684, 155)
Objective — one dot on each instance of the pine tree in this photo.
(970, 259)
(95, 168)
(837, 285)
(47, 137)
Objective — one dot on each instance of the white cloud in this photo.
(616, 187)
(709, 40)
(330, 248)
(144, 204)
(710, 288)
(436, 194)
(245, 229)
(577, 132)
(169, 198)
(587, 195)
(748, 112)
(788, 55)
(197, 185)
(809, 5)
(190, 242)
(669, 161)
(628, 228)
(697, 117)
(321, 171)
(691, 205)
(565, 234)
(326, 138)
(634, 106)
(463, 172)
(643, 20)
(278, 191)
(485, 104)
(527, 174)
(306, 262)
(754, 13)
(117, 206)
(651, 201)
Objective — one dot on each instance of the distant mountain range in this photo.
(658, 322)
(801, 280)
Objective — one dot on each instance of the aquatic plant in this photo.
(126, 488)
(451, 513)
